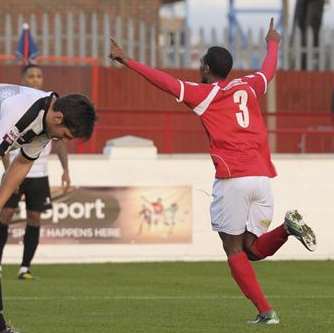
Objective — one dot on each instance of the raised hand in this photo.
(273, 34)
(117, 53)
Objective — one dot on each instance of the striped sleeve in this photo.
(22, 122)
(258, 82)
(197, 96)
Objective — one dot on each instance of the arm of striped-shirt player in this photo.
(13, 177)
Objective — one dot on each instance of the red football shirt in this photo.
(231, 116)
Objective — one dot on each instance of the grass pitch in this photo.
(166, 298)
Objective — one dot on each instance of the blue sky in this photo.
(209, 13)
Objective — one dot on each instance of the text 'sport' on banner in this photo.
(100, 215)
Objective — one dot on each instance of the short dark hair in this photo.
(79, 114)
(25, 68)
(219, 60)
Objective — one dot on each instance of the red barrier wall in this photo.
(123, 89)
(128, 104)
(181, 131)
(304, 91)
(62, 79)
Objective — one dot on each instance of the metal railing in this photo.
(88, 35)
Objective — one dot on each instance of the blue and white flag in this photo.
(27, 48)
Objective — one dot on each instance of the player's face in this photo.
(56, 128)
(33, 78)
(60, 132)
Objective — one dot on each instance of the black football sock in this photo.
(2, 322)
(2, 319)
(3, 238)
(30, 243)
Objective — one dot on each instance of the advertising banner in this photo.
(104, 215)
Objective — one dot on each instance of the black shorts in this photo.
(36, 192)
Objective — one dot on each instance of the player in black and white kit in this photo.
(29, 120)
(35, 187)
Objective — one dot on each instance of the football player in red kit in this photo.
(242, 206)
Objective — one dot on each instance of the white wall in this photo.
(304, 182)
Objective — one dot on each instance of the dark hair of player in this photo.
(79, 114)
(219, 60)
(27, 67)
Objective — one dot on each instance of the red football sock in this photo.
(268, 243)
(244, 275)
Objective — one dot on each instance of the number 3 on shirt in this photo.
(240, 97)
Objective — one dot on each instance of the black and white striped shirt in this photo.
(22, 119)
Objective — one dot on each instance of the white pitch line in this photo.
(153, 298)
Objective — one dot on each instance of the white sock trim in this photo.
(23, 269)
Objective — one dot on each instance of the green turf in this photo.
(166, 297)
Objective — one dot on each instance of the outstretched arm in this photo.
(259, 80)
(269, 65)
(158, 78)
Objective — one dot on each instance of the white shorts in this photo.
(242, 204)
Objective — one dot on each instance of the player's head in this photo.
(71, 116)
(216, 64)
(32, 76)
